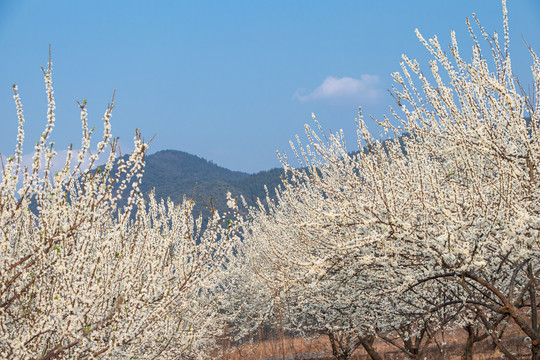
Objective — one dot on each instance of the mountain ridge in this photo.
(174, 174)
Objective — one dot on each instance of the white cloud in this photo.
(363, 90)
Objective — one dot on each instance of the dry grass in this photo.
(319, 348)
(295, 348)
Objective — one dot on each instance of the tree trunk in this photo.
(535, 351)
(367, 343)
(411, 348)
(535, 346)
(337, 348)
(469, 345)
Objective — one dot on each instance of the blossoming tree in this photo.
(89, 267)
(451, 204)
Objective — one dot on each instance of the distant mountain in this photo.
(175, 174)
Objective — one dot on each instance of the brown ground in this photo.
(319, 348)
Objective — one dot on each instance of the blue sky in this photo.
(230, 81)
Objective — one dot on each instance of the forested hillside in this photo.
(174, 174)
